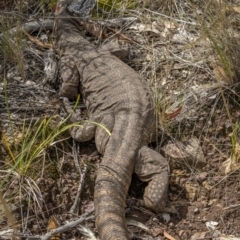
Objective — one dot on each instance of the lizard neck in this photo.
(67, 25)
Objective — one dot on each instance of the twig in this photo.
(170, 17)
(61, 229)
(122, 36)
(36, 41)
(117, 22)
(31, 27)
(75, 156)
(23, 86)
(75, 206)
(77, 199)
(25, 109)
(20, 121)
(231, 206)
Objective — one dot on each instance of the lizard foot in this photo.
(151, 167)
(100, 125)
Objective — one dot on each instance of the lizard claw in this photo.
(74, 117)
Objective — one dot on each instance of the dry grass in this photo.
(11, 49)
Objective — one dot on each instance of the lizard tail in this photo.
(110, 199)
(113, 180)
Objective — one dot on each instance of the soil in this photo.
(193, 103)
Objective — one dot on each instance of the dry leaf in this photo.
(168, 236)
(227, 237)
(230, 165)
(233, 162)
(179, 172)
(53, 224)
(236, 9)
(198, 235)
(140, 27)
(220, 74)
(191, 190)
(206, 185)
(122, 36)
(173, 114)
(233, 9)
(181, 232)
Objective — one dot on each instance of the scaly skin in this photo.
(116, 97)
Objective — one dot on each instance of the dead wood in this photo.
(31, 27)
(64, 228)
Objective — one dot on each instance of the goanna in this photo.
(119, 99)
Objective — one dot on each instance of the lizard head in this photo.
(81, 8)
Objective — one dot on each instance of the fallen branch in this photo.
(30, 27)
(36, 41)
(47, 24)
(61, 229)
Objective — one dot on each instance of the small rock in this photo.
(196, 210)
(30, 83)
(166, 217)
(211, 225)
